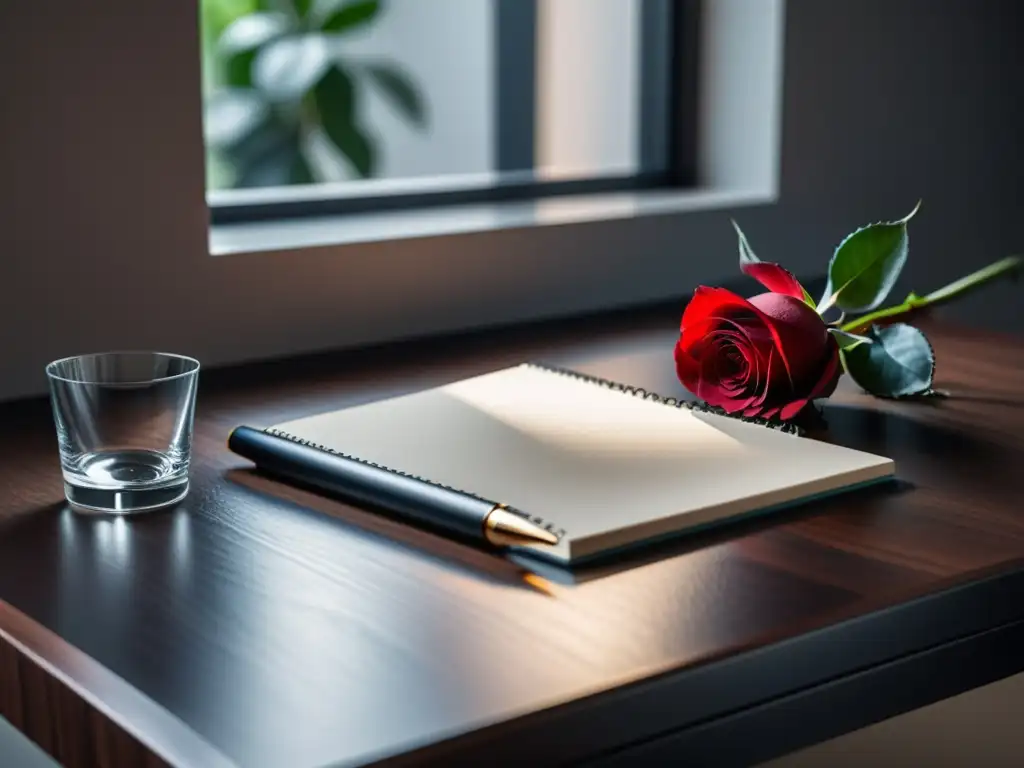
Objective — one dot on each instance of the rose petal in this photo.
(732, 362)
(789, 410)
(732, 367)
(696, 329)
(751, 335)
(732, 381)
(736, 387)
(824, 387)
(724, 346)
(742, 405)
(803, 333)
(711, 390)
(757, 368)
(735, 392)
(733, 405)
(708, 387)
(753, 361)
(687, 368)
(767, 380)
(775, 278)
(690, 350)
(718, 302)
(830, 376)
(694, 346)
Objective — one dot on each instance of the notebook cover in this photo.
(610, 465)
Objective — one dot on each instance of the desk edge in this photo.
(93, 709)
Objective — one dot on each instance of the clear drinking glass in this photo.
(124, 428)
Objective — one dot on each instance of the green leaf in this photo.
(242, 41)
(302, 170)
(276, 168)
(231, 115)
(335, 101)
(361, 151)
(286, 69)
(899, 362)
(747, 255)
(335, 97)
(847, 340)
(238, 69)
(399, 88)
(271, 156)
(351, 15)
(267, 138)
(252, 31)
(217, 15)
(865, 266)
(302, 7)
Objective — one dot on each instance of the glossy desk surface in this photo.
(261, 625)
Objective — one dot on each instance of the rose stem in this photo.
(1006, 266)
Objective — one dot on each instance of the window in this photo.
(126, 197)
(326, 106)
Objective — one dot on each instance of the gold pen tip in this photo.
(503, 528)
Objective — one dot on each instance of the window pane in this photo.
(356, 97)
(587, 88)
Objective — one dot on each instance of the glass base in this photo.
(124, 501)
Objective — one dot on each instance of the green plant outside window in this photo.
(276, 75)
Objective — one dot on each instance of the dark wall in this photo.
(890, 100)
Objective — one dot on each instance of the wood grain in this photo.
(279, 628)
(61, 698)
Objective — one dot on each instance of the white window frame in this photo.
(110, 245)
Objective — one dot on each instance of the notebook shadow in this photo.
(905, 434)
(936, 452)
(666, 548)
(463, 556)
(1006, 402)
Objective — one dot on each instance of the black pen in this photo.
(405, 495)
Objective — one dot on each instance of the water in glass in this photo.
(124, 428)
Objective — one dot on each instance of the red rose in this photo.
(766, 356)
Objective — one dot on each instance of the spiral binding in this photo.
(654, 397)
(560, 532)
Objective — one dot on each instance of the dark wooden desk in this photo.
(264, 626)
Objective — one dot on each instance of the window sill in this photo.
(310, 233)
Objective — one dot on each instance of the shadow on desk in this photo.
(683, 544)
(448, 552)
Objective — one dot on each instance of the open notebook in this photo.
(604, 464)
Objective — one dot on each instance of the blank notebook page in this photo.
(609, 468)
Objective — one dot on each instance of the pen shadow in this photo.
(451, 552)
